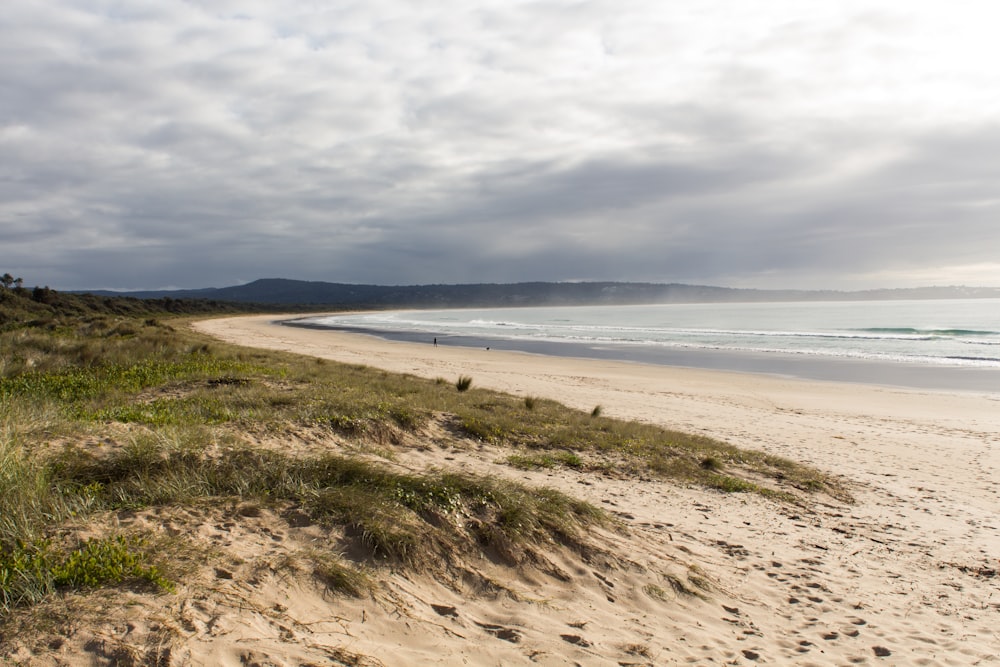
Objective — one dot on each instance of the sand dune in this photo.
(905, 575)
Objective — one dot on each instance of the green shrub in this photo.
(28, 573)
(107, 561)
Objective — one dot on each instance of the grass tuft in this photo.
(711, 463)
(338, 576)
(545, 460)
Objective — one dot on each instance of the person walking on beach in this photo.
(435, 342)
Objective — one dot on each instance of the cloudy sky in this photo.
(775, 143)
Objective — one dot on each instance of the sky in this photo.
(777, 143)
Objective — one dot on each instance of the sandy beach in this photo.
(905, 575)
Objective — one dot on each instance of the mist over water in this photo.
(870, 341)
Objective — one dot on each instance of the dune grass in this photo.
(210, 383)
(175, 403)
(412, 519)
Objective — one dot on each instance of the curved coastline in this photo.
(647, 391)
(807, 367)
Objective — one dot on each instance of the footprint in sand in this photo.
(500, 632)
(445, 610)
(575, 639)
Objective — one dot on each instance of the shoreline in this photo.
(804, 367)
(585, 382)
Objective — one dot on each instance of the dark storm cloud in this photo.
(194, 144)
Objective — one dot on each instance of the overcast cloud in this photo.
(777, 143)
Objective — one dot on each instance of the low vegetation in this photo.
(103, 413)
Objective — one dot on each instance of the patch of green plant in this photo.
(531, 461)
(568, 459)
(30, 572)
(347, 423)
(405, 416)
(463, 383)
(481, 429)
(545, 460)
(164, 412)
(78, 384)
(730, 484)
(107, 561)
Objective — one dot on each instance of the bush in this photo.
(30, 572)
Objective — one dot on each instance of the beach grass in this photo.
(179, 419)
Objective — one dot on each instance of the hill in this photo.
(311, 293)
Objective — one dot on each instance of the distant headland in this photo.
(311, 293)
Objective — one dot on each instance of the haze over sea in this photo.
(936, 344)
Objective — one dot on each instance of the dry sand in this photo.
(906, 575)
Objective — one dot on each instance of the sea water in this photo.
(927, 343)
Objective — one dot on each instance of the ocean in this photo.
(941, 344)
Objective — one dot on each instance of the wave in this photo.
(902, 344)
(860, 353)
(606, 331)
(949, 333)
(561, 326)
(992, 361)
